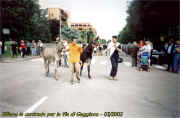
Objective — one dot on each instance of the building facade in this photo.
(59, 14)
(83, 27)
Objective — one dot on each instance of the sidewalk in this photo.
(17, 59)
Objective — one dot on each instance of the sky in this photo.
(108, 17)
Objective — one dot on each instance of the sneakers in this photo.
(112, 78)
(115, 79)
(78, 80)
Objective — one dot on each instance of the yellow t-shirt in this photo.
(75, 51)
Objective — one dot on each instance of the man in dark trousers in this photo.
(14, 48)
(170, 55)
(133, 51)
(114, 48)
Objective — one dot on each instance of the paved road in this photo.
(24, 88)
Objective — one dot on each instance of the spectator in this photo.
(14, 49)
(41, 46)
(28, 48)
(33, 48)
(23, 48)
(169, 52)
(151, 47)
(0, 49)
(38, 48)
(176, 60)
(134, 49)
(141, 44)
(129, 46)
(146, 48)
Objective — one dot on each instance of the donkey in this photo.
(52, 55)
(86, 57)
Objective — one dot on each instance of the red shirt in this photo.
(140, 45)
(23, 45)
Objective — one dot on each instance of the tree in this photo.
(54, 28)
(90, 36)
(25, 20)
(102, 41)
(83, 36)
(151, 18)
(125, 35)
(68, 33)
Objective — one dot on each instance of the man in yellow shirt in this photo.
(75, 51)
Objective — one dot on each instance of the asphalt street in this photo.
(25, 88)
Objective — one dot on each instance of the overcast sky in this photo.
(107, 16)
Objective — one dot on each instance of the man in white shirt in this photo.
(114, 48)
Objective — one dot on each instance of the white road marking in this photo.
(127, 64)
(32, 108)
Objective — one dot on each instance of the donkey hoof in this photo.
(89, 77)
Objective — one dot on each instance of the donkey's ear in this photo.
(97, 38)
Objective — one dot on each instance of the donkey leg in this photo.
(81, 69)
(46, 67)
(47, 72)
(89, 72)
(55, 71)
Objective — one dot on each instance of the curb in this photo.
(14, 60)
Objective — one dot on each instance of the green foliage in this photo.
(54, 29)
(68, 33)
(90, 36)
(83, 36)
(125, 35)
(25, 20)
(102, 41)
(150, 19)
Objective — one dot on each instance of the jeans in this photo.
(114, 63)
(23, 52)
(38, 51)
(33, 51)
(65, 60)
(176, 62)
